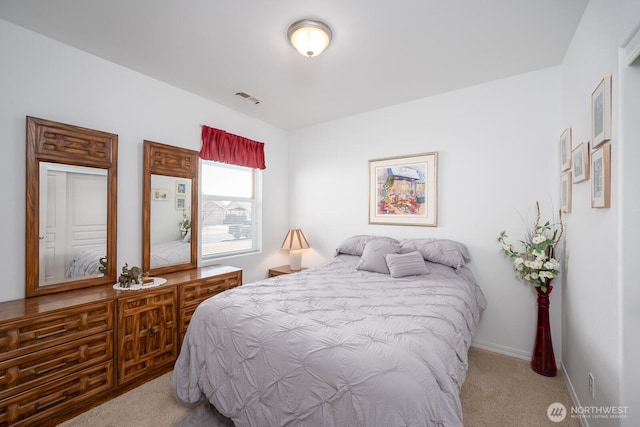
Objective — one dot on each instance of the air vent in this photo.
(248, 97)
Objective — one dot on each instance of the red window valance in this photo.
(220, 146)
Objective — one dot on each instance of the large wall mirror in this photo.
(170, 208)
(70, 207)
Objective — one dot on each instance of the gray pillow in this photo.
(442, 251)
(409, 264)
(354, 245)
(373, 257)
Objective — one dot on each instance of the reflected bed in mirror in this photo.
(73, 222)
(171, 221)
(169, 208)
(71, 207)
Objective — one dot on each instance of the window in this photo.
(229, 210)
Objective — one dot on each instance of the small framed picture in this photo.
(565, 150)
(565, 192)
(160, 194)
(181, 203)
(580, 162)
(181, 188)
(601, 113)
(601, 177)
(404, 190)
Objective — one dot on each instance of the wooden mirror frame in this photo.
(49, 141)
(167, 160)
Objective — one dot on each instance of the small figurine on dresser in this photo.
(129, 275)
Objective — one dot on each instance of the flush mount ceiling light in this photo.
(309, 37)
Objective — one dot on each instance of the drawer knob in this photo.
(53, 368)
(50, 334)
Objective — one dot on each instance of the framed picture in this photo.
(565, 192)
(601, 177)
(181, 188)
(565, 150)
(404, 190)
(601, 113)
(181, 203)
(580, 162)
(159, 194)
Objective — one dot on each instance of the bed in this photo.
(169, 253)
(85, 262)
(376, 336)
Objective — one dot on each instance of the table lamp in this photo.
(295, 242)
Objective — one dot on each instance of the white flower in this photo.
(518, 261)
(538, 239)
(534, 275)
(506, 246)
(527, 277)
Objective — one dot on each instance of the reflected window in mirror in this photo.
(71, 197)
(230, 210)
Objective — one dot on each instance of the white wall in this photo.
(498, 153)
(43, 78)
(593, 293)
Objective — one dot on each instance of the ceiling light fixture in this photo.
(309, 37)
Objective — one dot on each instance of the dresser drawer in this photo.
(28, 335)
(31, 370)
(185, 318)
(33, 406)
(192, 294)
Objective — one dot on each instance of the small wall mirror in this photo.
(170, 208)
(71, 207)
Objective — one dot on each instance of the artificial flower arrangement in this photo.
(536, 262)
(185, 224)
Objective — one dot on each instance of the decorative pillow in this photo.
(373, 256)
(409, 264)
(187, 237)
(442, 251)
(354, 245)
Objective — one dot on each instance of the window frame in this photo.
(256, 213)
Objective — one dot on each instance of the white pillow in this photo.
(373, 256)
(409, 264)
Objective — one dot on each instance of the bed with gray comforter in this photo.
(339, 344)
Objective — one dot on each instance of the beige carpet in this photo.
(499, 391)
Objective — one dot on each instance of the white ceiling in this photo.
(384, 52)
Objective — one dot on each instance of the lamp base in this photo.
(295, 259)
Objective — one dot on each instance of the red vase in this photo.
(543, 360)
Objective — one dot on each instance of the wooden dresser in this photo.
(64, 353)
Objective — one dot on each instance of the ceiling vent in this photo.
(248, 97)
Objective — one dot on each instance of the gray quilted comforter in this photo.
(334, 346)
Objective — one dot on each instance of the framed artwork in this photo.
(580, 162)
(565, 150)
(565, 192)
(181, 203)
(159, 194)
(404, 190)
(601, 177)
(181, 188)
(601, 112)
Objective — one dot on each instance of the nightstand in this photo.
(283, 269)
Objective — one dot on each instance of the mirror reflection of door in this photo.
(73, 222)
(170, 221)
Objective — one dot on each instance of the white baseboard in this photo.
(572, 394)
(501, 349)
